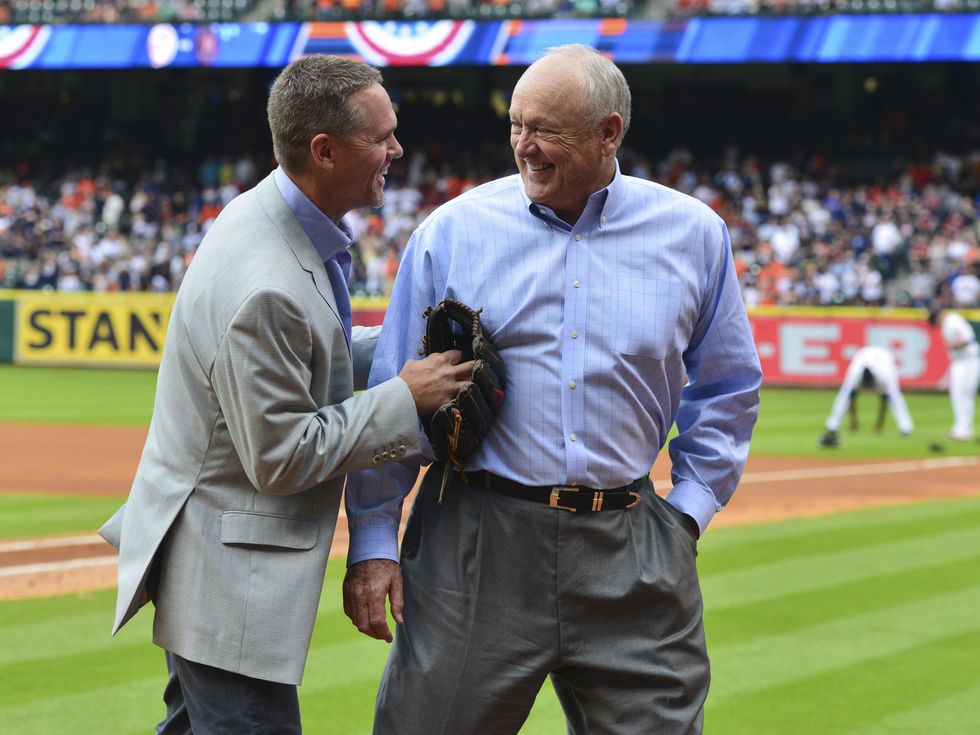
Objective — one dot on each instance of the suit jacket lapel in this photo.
(297, 240)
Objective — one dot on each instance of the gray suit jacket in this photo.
(230, 518)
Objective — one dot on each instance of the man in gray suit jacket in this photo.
(230, 518)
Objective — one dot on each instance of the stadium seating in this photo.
(808, 7)
(126, 11)
(816, 236)
(146, 11)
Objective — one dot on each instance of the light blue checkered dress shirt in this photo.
(611, 330)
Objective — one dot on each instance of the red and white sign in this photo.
(815, 351)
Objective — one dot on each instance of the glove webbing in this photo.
(453, 460)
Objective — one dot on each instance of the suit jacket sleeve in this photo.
(363, 342)
(286, 443)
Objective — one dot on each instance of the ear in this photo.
(323, 150)
(612, 133)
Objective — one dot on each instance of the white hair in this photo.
(606, 90)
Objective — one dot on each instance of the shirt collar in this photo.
(599, 208)
(328, 239)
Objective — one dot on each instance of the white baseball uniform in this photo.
(881, 363)
(964, 372)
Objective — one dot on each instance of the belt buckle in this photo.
(553, 500)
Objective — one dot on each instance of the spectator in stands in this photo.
(916, 232)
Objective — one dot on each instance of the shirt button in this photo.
(574, 334)
(573, 436)
(578, 237)
(571, 384)
(602, 218)
(576, 283)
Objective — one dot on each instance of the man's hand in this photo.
(366, 586)
(436, 379)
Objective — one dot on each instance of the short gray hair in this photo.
(606, 90)
(313, 95)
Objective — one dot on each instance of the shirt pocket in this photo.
(646, 316)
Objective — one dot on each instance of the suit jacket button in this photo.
(401, 449)
(384, 455)
(376, 458)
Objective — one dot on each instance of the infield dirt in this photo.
(97, 460)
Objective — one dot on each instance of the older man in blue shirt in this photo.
(615, 304)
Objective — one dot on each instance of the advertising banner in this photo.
(812, 347)
(114, 330)
(894, 37)
(806, 347)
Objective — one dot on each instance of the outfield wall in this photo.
(797, 346)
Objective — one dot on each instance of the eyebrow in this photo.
(539, 121)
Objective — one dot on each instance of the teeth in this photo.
(537, 166)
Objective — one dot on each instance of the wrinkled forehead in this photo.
(548, 89)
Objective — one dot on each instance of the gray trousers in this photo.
(203, 700)
(501, 592)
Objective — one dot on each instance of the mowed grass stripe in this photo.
(857, 530)
(76, 396)
(846, 698)
(859, 518)
(841, 640)
(26, 515)
(131, 708)
(945, 715)
(795, 612)
(779, 578)
(52, 634)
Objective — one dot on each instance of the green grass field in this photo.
(791, 420)
(76, 396)
(861, 623)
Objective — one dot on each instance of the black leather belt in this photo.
(564, 497)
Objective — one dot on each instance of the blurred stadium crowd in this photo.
(173, 11)
(802, 232)
(152, 11)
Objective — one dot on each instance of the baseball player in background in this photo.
(871, 367)
(964, 370)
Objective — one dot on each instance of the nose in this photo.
(396, 150)
(522, 143)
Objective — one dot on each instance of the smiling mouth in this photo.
(538, 167)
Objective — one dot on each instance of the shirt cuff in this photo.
(698, 502)
(372, 542)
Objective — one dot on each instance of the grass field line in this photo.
(59, 566)
(849, 470)
(50, 543)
